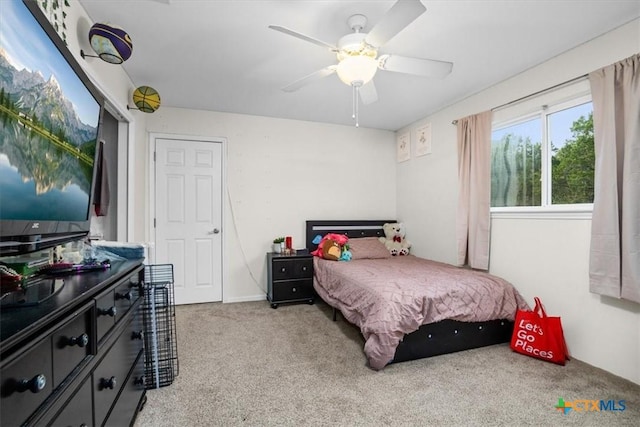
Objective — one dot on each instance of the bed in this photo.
(407, 307)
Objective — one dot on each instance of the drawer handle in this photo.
(283, 269)
(293, 289)
(108, 383)
(304, 268)
(80, 340)
(137, 335)
(111, 311)
(35, 384)
(126, 295)
(138, 380)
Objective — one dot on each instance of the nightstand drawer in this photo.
(293, 290)
(294, 268)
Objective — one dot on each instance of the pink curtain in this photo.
(614, 261)
(474, 190)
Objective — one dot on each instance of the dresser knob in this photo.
(293, 289)
(111, 311)
(108, 383)
(304, 268)
(35, 384)
(126, 295)
(283, 269)
(80, 340)
(137, 335)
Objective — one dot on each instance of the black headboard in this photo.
(352, 228)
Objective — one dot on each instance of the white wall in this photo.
(541, 257)
(281, 173)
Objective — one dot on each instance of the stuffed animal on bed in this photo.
(394, 239)
(331, 250)
(333, 247)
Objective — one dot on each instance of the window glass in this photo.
(572, 155)
(546, 158)
(516, 164)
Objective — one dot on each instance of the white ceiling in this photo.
(221, 56)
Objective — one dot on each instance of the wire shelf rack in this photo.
(159, 317)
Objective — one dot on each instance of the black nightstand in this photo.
(290, 278)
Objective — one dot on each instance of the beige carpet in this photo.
(247, 364)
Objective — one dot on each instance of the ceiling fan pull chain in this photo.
(356, 95)
(353, 102)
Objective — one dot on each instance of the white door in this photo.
(188, 210)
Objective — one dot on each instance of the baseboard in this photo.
(260, 297)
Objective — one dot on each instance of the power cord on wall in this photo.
(237, 233)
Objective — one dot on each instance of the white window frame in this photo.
(541, 107)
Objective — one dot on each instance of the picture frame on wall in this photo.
(423, 140)
(403, 147)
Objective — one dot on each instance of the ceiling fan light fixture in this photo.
(358, 70)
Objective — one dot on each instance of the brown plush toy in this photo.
(331, 250)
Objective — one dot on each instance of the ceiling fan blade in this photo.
(310, 78)
(368, 93)
(303, 37)
(395, 20)
(415, 66)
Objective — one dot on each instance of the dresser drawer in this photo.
(129, 397)
(291, 290)
(123, 297)
(71, 344)
(293, 268)
(26, 383)
(112, 371)
(106, 312)
(114, 304)
(77, 411)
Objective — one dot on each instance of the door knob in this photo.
(214, 231)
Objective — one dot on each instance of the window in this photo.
(545, 158)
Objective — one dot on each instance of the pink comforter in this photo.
(388, 298)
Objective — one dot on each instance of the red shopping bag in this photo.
(537, 335)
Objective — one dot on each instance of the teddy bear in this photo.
(394, 239)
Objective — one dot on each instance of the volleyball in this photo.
(147, 99)
(112, 44)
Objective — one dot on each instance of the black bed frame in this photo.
(433, 339)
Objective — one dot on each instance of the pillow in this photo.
(368, 248)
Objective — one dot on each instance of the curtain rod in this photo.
(540, 92)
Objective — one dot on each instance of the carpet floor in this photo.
(245, 364)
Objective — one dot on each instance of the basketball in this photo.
(147, 99)
(112, 44)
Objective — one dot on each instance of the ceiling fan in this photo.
(357, 53)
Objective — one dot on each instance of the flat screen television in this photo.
(50, 115)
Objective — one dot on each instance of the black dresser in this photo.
(76, 357)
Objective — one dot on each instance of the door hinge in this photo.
(154, 156)
(154, 223)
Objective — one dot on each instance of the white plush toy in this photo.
(394, 238)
